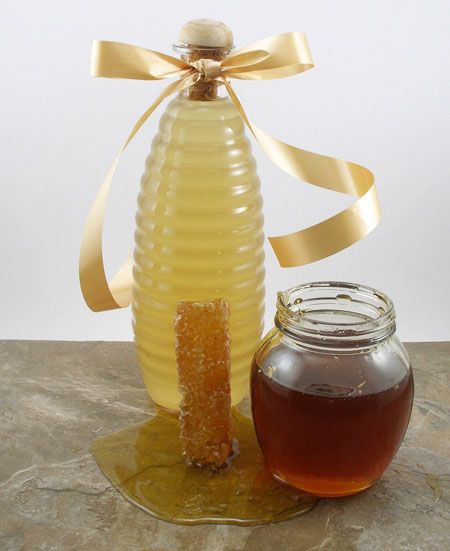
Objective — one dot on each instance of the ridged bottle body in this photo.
(199, 236)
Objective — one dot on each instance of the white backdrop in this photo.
(379, 96)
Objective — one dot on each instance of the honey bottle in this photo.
(199, 233)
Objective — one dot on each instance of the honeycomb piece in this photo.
(203, 361)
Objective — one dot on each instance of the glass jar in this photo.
(331, 388)
(199, 232)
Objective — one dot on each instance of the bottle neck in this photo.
(206, 89)
(335, 315)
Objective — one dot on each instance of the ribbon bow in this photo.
(208, 68)
(274, 57)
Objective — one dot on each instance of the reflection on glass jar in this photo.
(332, 388)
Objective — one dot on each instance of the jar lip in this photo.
(336, 310)
(185, 49)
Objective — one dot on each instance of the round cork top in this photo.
(207, 33)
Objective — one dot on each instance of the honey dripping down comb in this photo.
(203, 362)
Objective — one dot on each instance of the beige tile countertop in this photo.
(56, 397)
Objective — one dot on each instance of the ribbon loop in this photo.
(119, 60)
(274, 57)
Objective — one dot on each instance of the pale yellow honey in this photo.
(199, 236)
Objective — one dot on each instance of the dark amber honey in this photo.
(330, 425)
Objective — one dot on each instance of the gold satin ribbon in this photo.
(274, 57)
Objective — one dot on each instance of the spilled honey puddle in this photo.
(145, 463)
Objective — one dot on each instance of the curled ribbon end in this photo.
(330, 236)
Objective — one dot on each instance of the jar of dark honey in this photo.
(331, 388)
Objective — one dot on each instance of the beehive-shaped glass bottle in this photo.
(199, 230)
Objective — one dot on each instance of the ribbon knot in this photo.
(274, 57)
(208, 68)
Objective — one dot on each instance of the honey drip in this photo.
(145, 463)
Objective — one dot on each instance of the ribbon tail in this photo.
(98, 293)
(333, 234)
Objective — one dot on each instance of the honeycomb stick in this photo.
(203, 361)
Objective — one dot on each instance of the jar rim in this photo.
(186, 49)
(335, 312)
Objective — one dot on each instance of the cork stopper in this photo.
(204, 39)
(206, 33)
